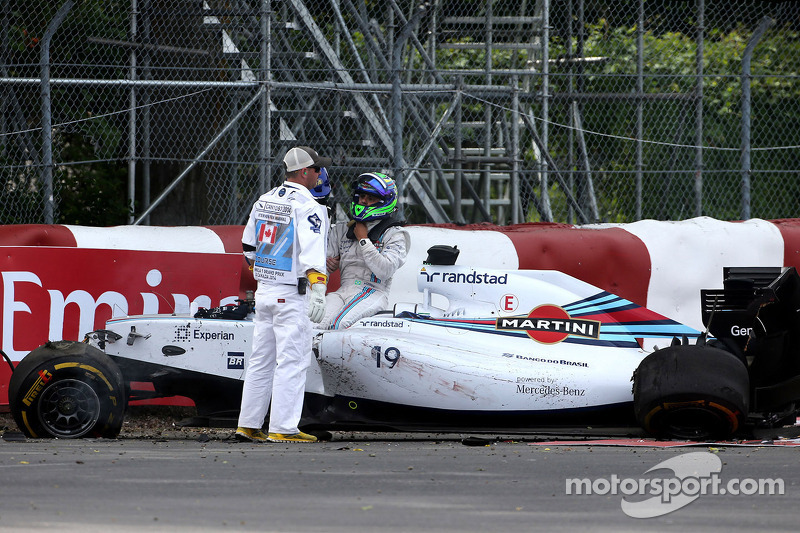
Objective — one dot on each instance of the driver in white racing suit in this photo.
(368, 250)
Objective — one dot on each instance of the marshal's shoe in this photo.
(250, 435)
(294, 437)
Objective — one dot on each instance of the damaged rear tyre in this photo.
(67, 390)
(691, 392)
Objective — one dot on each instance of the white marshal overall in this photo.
(289, 230)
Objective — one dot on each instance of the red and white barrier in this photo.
(59, 282)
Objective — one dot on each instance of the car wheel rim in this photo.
(69, 408)
(693, 423)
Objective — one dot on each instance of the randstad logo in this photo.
(472, 278)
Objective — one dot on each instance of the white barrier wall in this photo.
(689, 255)
(58, 282)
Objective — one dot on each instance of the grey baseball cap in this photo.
(304, 157)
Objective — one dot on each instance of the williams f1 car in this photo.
(485, 350)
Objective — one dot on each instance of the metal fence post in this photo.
(265, 116)
(47, 117)
(747, 57)
(639, 108)
(397, 102)
(545, 138)
(132, 117)
(514, 187)
(458, 161)
(698, 136)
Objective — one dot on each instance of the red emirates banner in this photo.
(54, 293)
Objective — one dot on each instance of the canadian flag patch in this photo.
(267, 233)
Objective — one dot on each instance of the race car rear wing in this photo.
(757, 315)
(730, 311)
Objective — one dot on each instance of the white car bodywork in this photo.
(482, 342)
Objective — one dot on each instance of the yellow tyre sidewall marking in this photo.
(86, 367)
(27, 425)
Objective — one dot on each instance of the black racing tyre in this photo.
(691, 392)
(69, 390)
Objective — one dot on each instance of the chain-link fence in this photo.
(179, 111)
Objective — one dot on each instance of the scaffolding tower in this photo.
(381, 87)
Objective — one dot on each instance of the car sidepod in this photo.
(423, 372)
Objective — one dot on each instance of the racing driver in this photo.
(368, 249)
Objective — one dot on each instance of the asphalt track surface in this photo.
(364, 482)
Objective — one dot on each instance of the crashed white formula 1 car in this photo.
(502, 351)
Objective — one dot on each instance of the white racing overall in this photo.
(366, 273)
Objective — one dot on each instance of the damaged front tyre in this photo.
(69, 390)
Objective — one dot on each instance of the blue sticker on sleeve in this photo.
(316, 223)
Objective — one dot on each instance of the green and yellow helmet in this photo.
(380, 186)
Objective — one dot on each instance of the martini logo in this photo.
(550, 324)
